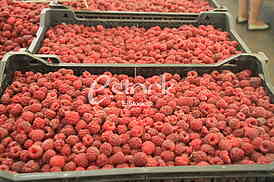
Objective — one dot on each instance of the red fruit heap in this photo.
(184, 45)
(49, 125)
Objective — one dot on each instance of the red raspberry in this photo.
(57, 161)
(79, 148)
(39, 123)
(92, 153)
(208, 149)
(225, 144)
(66, 150)
(157, 140)
(15, 109)
(35, 151)
(256, 142)
(167, 156)
(167, 129)
(94, 128)
(148, 147)
(3, 132)
(28, 116)
(264, 160)
(115, 140)
(101, 160)
(48, 155)
(167, 110)
(202, 163)
(181, 161)
(87, 140)
(4, 167)
(70, 166)
(37, 134)
(185, 101)
(236, 154)
(31, 166)
(195, 144)
(234, 123)
(212, 139)
(168, 145)
(81, 160)
(81, 124)
(199, 156)
(140, 159)
(135, 143)
(36, 107)
(137, 131)
(267, 146)
(247, 147)
(72, 139)
(72, 117)
(117, 158)
(109, 125)
(184, 137)
(122, 129)
(48, 144)
(251, 132)
(24, 155)
(247, 162)
(158, 117)
(55, 169)
(151, 162)
(106, 149)
(17, 166)
(196, 124)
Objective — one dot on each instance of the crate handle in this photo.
(48, 58)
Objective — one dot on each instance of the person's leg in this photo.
(243, 10)
(254, 14)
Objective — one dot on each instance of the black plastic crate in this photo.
(52, 16)
(223, 173)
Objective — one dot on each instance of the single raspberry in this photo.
(167, 129)
(92, 153)
(137, 131)
(35, 151)
(109, 126)
(87, 140)
(225, 144)
(37, 134)
(185, 101)
(81, 124)
(72, 117)
(57, 161)
(208, 149)
(28, 116)
(148, 147)
(31, 166)
(202, 163)
(15, 109)
(66, 150)
(122, 129)
(251, 132)
(151, 162)
(140, 159)
(48, 144)
(17, 166)
(167, 110)
(182, 161)
(212, 139)
(199, 156)
(55, 169)
(70, 166)
(72, 139)
(92, 167)
(247, 147)
(106, 148)
(167, 156)
(196, 144)
(94, 128)
(117, 158)
(157, 140)
(35, 107)
(267, 146)
(236, 154)
(79, 148)
(115, 140)
(102, 160)
(135, 143)
(196, 124)
(45, 168)
(168, 145)
(39, 123)
(81, 160)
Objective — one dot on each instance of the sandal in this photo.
(240, 20)
(252, 27)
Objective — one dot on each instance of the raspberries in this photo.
(188, 126)
(148, 147)
(203, 44)
(57, 161)
(140, 159)
(72, 117)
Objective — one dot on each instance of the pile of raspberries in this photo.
(47, 123)
(184, 45)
